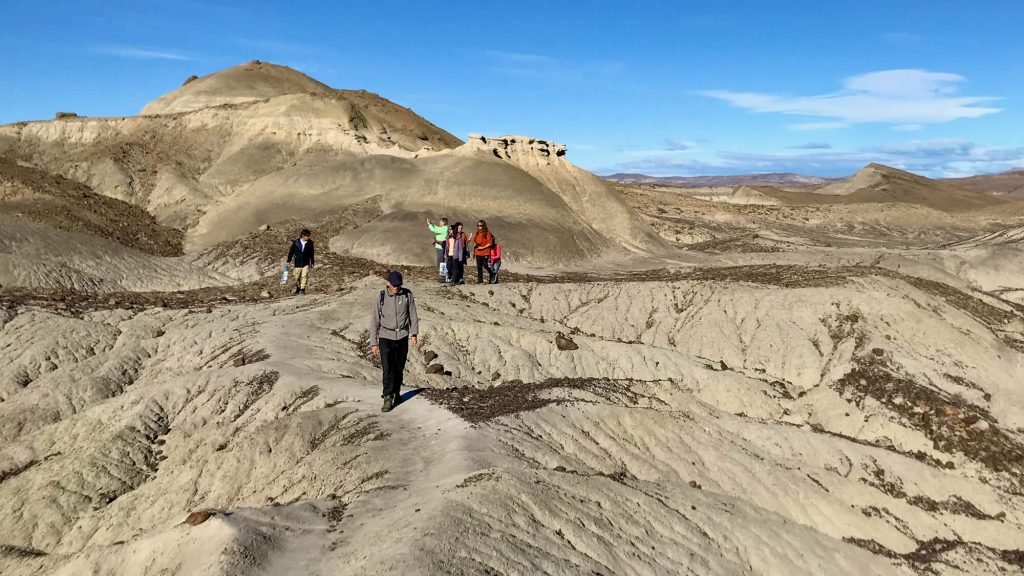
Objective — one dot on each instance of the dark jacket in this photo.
(393, 316)
(302, 256)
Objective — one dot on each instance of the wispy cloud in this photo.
(674, 145)
(140, 53)
(520, 58)
(809, 126)
(900, 97)
(531, 65)
(812, 146)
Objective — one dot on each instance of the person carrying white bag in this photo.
(440, 233)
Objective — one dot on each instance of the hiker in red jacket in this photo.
(484, 240)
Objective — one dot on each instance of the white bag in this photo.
(442, 269)
(284, 275)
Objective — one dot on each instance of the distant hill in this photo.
(258, 144)
(1009, 183)
(877, 183)
(769, 179)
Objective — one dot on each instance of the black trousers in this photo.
(456, 269)
(481, 265)
(392, 358)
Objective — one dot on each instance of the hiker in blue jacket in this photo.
(301, 252)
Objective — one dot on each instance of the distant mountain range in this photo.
(770, 179)
(1008, 184)
(875, 183)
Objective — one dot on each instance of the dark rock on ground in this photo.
(564, 343)
(198, 517)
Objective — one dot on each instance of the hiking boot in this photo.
(396, 399)
(388, 404)
(296, 290)
(302, 291)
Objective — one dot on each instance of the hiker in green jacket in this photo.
(440, 233)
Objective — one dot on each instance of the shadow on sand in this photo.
(408, 395)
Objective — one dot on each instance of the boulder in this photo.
(429, 356)
(564, 343)
(435, 369)
(60, 115)
(198, 517)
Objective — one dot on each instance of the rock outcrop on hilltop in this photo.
(509, 147)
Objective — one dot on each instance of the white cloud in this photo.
(808, 126)
(135, 52)
(812, 146)
(901, 97)
(674, 145)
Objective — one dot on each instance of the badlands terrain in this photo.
(742, 378)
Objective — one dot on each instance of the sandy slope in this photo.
(119, 424)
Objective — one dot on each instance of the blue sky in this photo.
(667, 88)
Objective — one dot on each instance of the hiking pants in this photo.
(392, 358)
(456, 270)
(301, 276)
(483, 262)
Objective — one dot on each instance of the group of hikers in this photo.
(451, 245)
(394, 323)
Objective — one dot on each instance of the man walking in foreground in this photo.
(302, 252)
(393, 322)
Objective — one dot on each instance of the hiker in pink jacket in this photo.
(494, 261)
